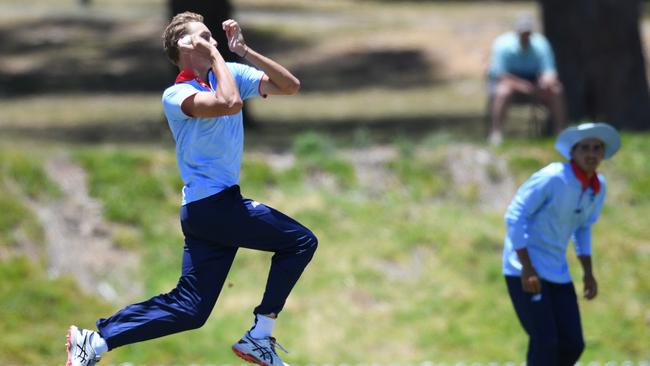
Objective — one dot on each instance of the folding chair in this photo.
(539, 118)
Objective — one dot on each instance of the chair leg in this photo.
(488, 115)
(533, 128)
(546, 128)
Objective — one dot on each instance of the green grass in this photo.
(80, 109)
(407, 276)
(140, 190)
(36, 311)
(23, 179)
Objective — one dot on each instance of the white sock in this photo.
(263, 327)
(99, 344)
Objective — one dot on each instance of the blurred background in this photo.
(383, 154)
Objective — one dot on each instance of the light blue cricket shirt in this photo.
(208, 150)
(548, 210)
(509, 57)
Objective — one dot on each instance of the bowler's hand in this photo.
(530, 280)
(196, 44)
(236, 42)
(590, 287)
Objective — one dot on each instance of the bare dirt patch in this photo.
(477, 168)
(78, 240)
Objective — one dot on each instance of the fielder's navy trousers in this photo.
(214, 228)
(552, 322)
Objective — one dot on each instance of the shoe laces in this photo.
(274, 342)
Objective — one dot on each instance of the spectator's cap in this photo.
(601, 131)
(524, 23)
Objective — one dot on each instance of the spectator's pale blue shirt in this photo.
(550, 209)
(509, 57)
(208, 150)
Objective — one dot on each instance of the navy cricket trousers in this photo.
(551, 320)
(214, 228)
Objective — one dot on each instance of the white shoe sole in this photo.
(68, 342)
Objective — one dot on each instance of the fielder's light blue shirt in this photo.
(208, 150)
(509, 57)
(548, 210)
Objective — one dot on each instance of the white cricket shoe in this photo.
(259, 351)
(80, 350)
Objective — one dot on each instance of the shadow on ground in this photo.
(273, 134)
(73, 54)
(97, 54)
(357, 70)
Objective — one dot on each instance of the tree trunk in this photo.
(600, 60)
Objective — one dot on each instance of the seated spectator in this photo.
(522, 64)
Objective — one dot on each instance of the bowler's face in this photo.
(588, 154)
(200, 29)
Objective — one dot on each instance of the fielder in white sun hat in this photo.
(598, 130)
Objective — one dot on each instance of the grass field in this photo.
(392, 174)
(406, 272)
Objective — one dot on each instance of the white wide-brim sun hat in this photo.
(601, 131)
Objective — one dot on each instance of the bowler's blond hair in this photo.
(175, 31)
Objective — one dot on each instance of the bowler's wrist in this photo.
(215, 55)
(245, 53)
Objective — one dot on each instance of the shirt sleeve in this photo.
(247, 78)
(497, 62)
(547, 58)
(582, 240)
(582, 235)
(530, 197)
(174, 97)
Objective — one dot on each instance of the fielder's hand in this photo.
(591, 287)
(530, 281)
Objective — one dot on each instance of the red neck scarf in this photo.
(586, 182)
(189, 75)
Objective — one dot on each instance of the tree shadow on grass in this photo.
(273, 134)
(72, 54)
(50, 35)
(399, 69)
(273, 44)
(75, 54)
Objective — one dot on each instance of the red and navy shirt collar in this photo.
(188, 75)
(586, 181)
